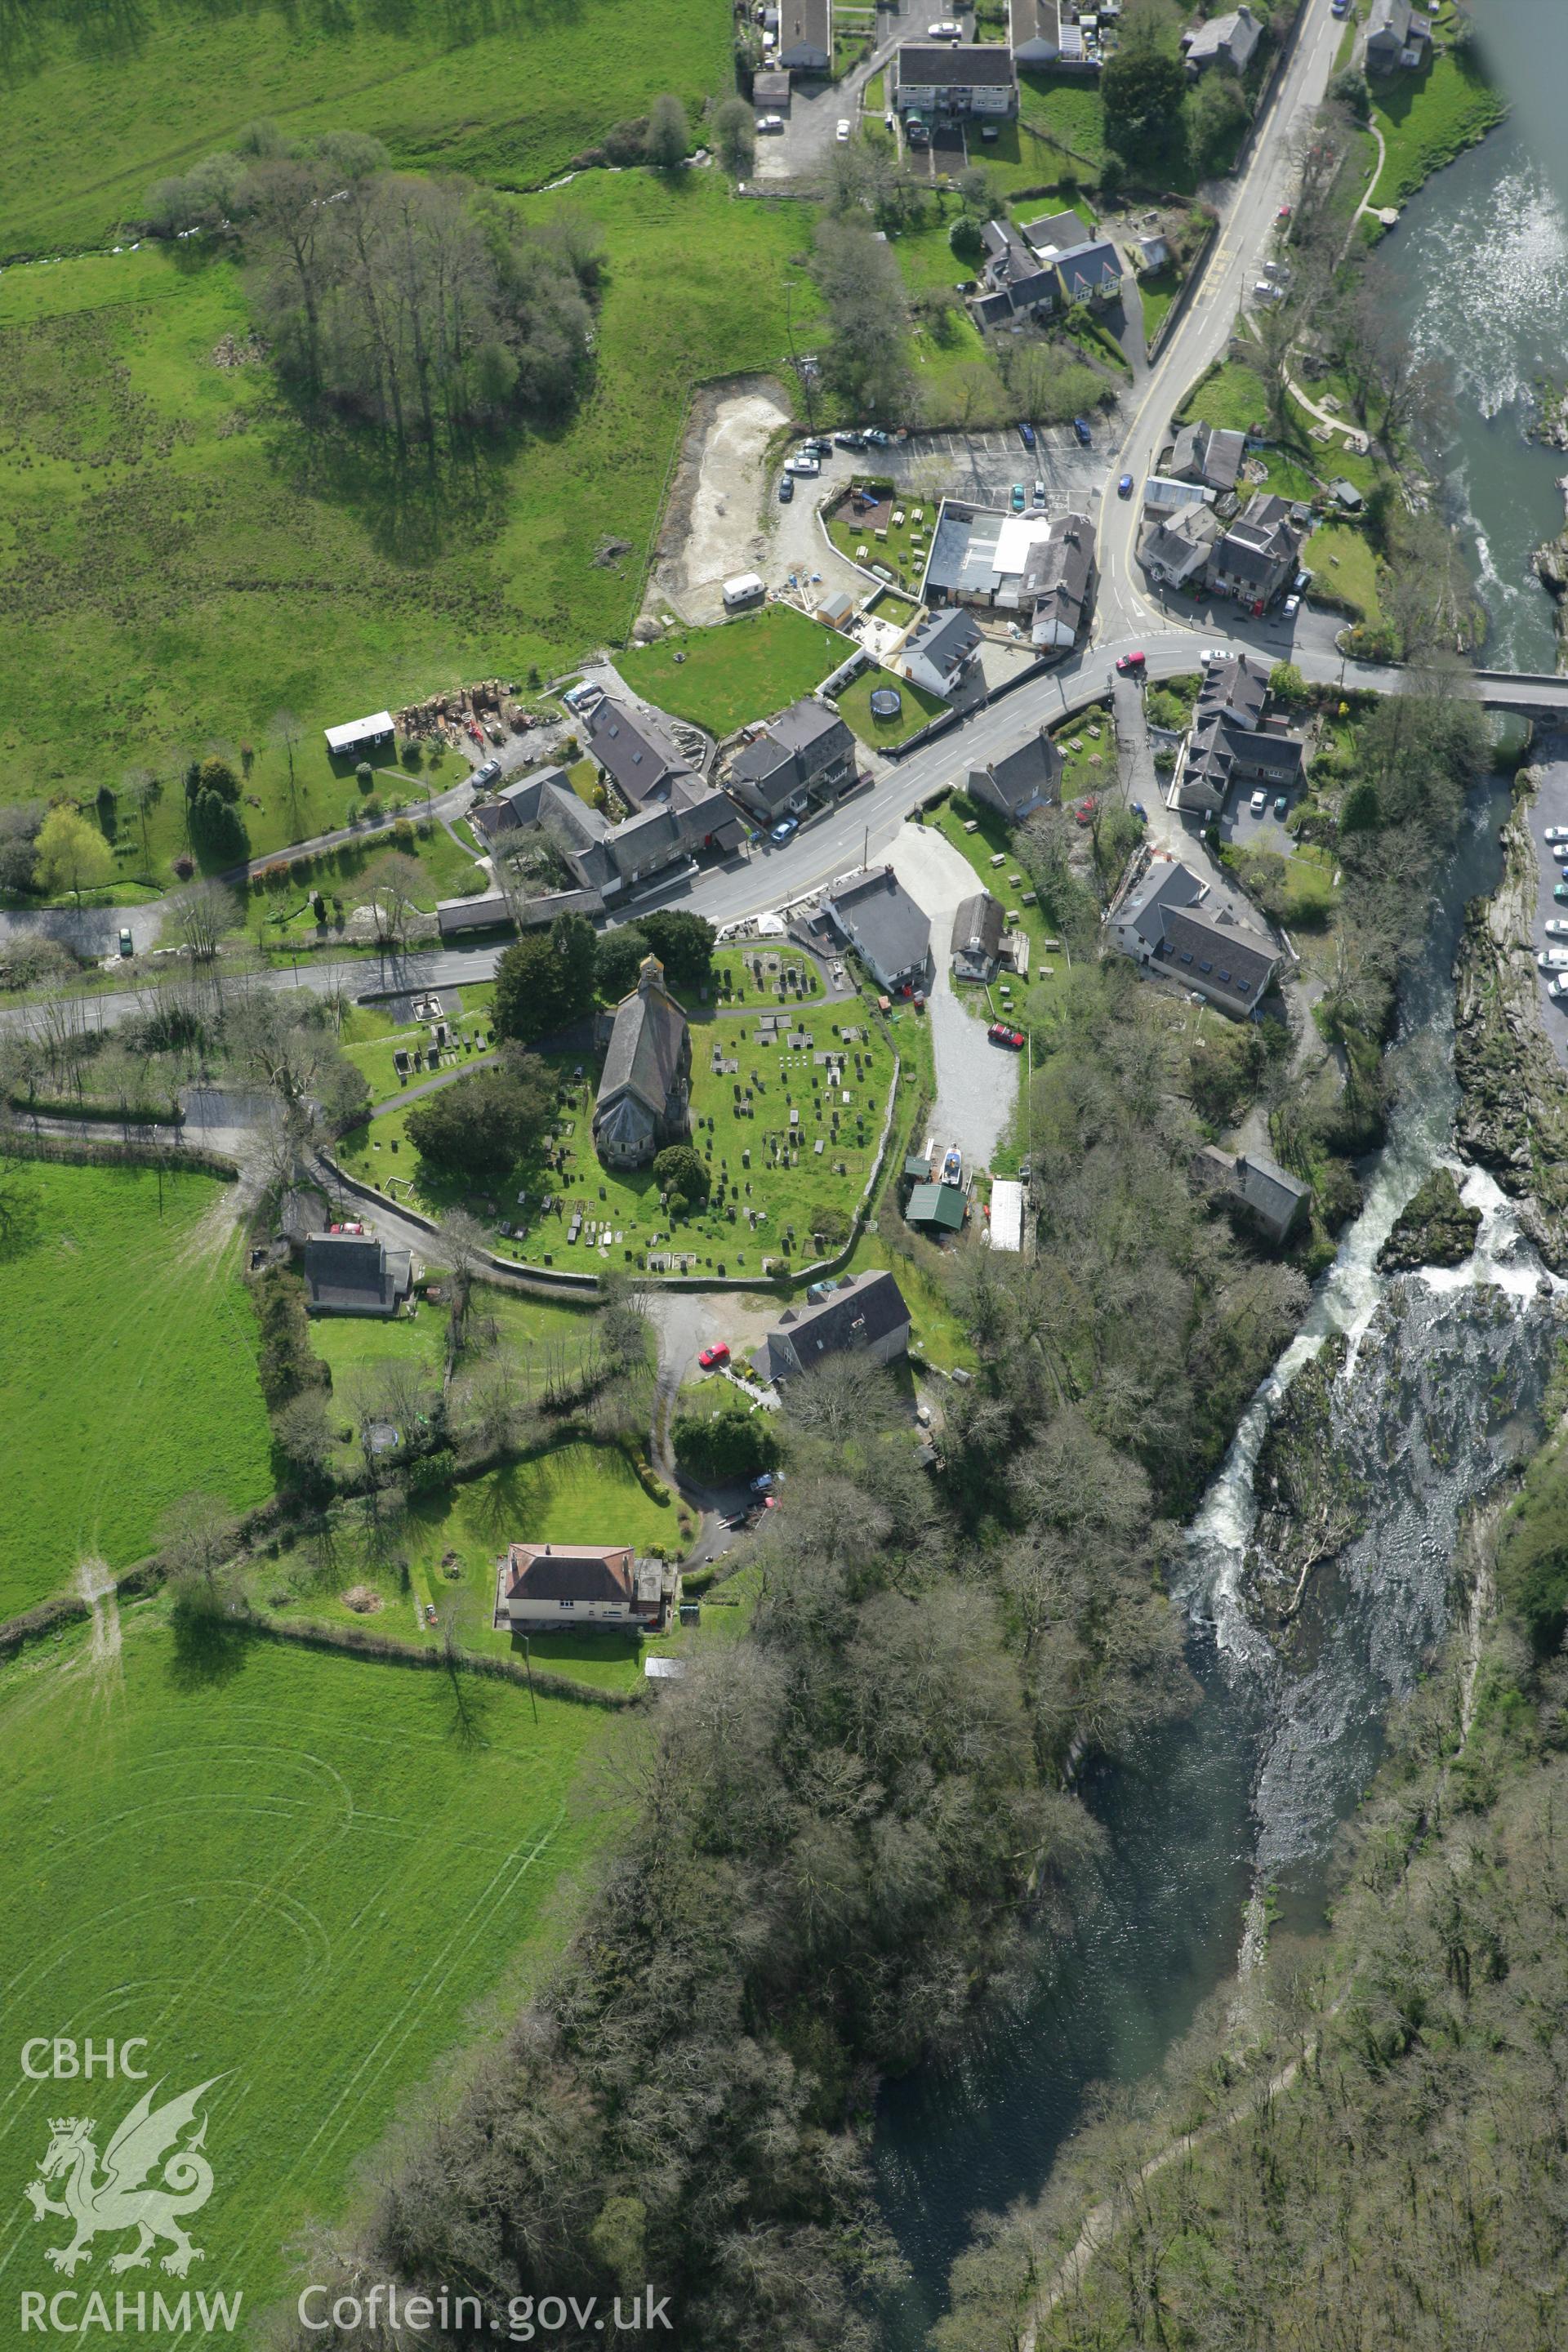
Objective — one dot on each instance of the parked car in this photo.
(878, 438)
(1209, 653)
(769, 126)
(1267, 292)
(1081, 427)
(1555, 833)
(842, 133)
(127, 944)
(786, 490)
(1124, 487)
(1557, 989)
(1282, 806)
(719, 1354)
(1258, 804)
(1555, 928)
(1000, 1034)
(1561, 892)
(1018, 497)
(1283, 214)
(850, 440)
(801, 463)
(1301, 583)
(819, 445)
(1027, 436)
(784, 829)
(946, 31)
(1126, 662)
(1292, 605)
(1552, 960)
(1560, 851)
(487, 774)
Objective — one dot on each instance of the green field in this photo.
(172, 542)
(745, 668)
(1429, 117)
(1231, 398)
(748, 1147)
(508, 95)
(1344, 567)
(127, 1370)
(298, 1874)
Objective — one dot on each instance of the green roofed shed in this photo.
(938, 1205)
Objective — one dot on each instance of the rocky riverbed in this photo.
(1512, 1117)
(1434, 1228)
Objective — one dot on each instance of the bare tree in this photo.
(141, 788)
(390, 891)
(199, 1536)
(288, 733)
(206, 910)
(464, 1246)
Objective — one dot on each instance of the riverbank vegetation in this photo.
(1364, 2142)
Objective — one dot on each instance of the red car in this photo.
(716, 1354)
(1001, 1034)
(1125, 662)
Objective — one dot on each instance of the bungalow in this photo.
(939, 653)
(1223, 41)
(978, 933)
(1018, 781)
(1258, 555)
(636, 751)
(1176, 550)
(1168, 919)
(882, 923)
(806, 35)
(1207, 453)
(808, 751)
(355, 1274)
(1260, 1190)
(550, 1587)
(359, 737)
(1035, 32)
(864, 1315)
(955, 78)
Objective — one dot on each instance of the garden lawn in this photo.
(175, 544)
(1427, 119)
(917, 709)
(1044, 970)
(355, 1345)
(742, 1125)
(127, 1370)
(1231, 398)
(1345, 568)
(891, 544)
(1059, 134)
(576, 1493)
(298, 1877)
(508, 99)
(1157, 291)
(742, 669)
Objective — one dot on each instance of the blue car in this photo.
(1027, 436)
(1018, 497)
(786, 488)
(1124, 487)
(783, 830)
(1081, 427)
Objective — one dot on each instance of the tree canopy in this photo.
(483, 1124)
(546, 981)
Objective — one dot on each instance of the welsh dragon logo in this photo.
(121, 2196)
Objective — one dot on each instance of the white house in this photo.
(545, 1587)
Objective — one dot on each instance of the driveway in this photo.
(976, 1082)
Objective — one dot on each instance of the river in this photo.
(1443, 1375)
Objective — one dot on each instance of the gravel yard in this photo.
(976, 1082)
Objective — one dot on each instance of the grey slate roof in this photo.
(1270, 1189)
(801, 743)
(1238, 684)
(559, 1572)
(864, 1309)
(1179, 539)
(1055, 233)
(939, 64)
(1208, 453)
(355, 1274)
(1057, 575)
(1218, 954)
(644, 1054)
(1031, 771)
(977, 934)
(1093, 267)
(1258, 541)
(943, 641)
(1388, 24)
(879, 915)
(640, 755)
(1225, 40)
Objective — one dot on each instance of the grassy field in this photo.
(1344, 567)
(127, 1370)
(506, 95)
(1429, 117)
(763, 1164)
(173, 543)
(746, 669)
(301, 1874)
(1232, 398)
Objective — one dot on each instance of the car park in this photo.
(769, 126)
(719, 1354)
(1081, 427)
(1126, 662)
(1560, 851)
(1124, 487)
(842, 133)
(1557, 989)
(1039, 490)
(878, 438)
(850, 440)
(1018, 497)
(1258, 804)
(785, 828)
(1266, 292)
(786, 490)
(1027, 436)
(1561, 892)
(1002, 1033)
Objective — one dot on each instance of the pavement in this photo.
(976, 1082)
